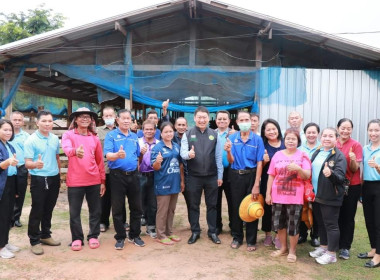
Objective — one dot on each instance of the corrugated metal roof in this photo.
(58, 37)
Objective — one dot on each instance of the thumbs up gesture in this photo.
(352, 155)
(192, 152)
(39, 162)
(372, 162)
(121, 152)
(144, 149)
(326, 170)
(232, 130)
(266, 157)
(228, 145)
(80, 151)
(13, 160)
(165, 104)
(294, 167)
(159, 158)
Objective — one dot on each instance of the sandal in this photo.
(93, 243)
(251, 248)
(165, 241)
(76, 245)
(174, 238)
(291, 258)
(278, 253)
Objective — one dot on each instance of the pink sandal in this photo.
(76, 245)
(93, 243)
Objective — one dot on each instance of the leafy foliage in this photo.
(15, 27)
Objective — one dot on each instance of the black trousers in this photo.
(125, 185)
(148, 199)
(44, 191)
(106, 205)
(347, 217)
(227, 191)
(266, 220)
(327, 219)
(194, 192)
(75, 196)
(6, 209)
(241, 186)
(371, 207)
(313, 231)
(21, 184)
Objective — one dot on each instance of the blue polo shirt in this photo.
(114, 139)
(307, 150)
(369, 173)
(167, 180)
(246, 155)
(48, 148)
(18, 143)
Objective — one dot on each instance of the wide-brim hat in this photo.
(251, 209)
(81, 111)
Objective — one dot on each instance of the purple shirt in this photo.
(145, 163)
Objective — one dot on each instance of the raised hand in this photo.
(144, 149)
(372, 162)
(159, 158)
(326, 170)
(293, 167)
(352, 155)
(80, 151)
(121, 152)
(232, 130)
(13, 160)
(192, 152)
(228, 145)
(266, 157)
(165, 104)
(39, 162)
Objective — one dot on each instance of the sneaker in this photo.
(126, 226)
(277, 243)
(119, 244)
(6, 254)
(12, 248)
(317, 252)
(152, 233)
(137, 241)
(103, 228)
(344, 254)
(268, 240)
(326, 258)
(37, 249)
(50, 242)
(143, 222)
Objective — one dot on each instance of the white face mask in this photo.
(244, 127)
(109, 121)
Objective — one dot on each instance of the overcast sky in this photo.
(331, 16)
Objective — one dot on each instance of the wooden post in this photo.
(8, 111)
(258, 64)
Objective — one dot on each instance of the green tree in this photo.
(15, 27)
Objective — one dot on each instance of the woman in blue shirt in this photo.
(8, 171)
(168, 182)
(371, 193)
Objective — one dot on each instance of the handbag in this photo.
(308, 194)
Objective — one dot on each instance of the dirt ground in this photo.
(202, 260)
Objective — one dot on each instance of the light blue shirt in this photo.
(369, 173)
(12, 170)
(218, 154)
(317, 166)
(222, 138)
(307, 150)
(48, 148)
(18, 143)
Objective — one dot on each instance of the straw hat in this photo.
(251, 209)
(83, 110)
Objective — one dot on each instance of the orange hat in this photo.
(251, 209)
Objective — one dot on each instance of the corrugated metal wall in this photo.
(331, 95)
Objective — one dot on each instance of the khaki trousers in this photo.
(166, 205)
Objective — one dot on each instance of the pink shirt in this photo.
(89, 170)
(357, 149)
(288, 187)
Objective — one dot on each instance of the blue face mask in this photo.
(109, 121)
(244, 127)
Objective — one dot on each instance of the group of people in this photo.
(151, 167)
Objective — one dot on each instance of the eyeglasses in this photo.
(84, 117)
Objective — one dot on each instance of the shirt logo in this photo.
(165, 151)
(118, 136)
(331, 163)
(211, 137)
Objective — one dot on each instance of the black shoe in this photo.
(371, 264)
(315, 242)
(214, 238)
(193, 238)
(18, 223)
(218, 231)
(364, 256)
(301, 239)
